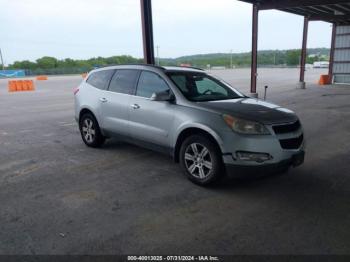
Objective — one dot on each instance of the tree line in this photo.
(52, 65)
(265, 58)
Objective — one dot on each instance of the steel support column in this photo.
(147, 31)
(303, 53)
(254, 66)
(331, 55)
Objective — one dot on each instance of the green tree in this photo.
(47, 62)
(23, 65)
(66, 63)
(293, 57)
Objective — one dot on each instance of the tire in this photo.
(205, 166)
(90, 131)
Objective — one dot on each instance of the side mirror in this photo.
(163, 96)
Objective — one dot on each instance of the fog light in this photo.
(252, 156)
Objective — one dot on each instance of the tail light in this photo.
(76, 90)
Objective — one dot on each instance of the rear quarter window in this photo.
(100, 79)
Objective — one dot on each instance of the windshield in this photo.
(200, 87)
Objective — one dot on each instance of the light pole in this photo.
(2, 60)
(231, 58)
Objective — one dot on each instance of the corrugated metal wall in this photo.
(341, 67)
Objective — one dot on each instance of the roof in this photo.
(332, 11)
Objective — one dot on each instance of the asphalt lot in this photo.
(59, 197)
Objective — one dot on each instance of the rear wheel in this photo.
(201, 160)
(90, 131)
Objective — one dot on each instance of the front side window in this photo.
(100, 79)
(124, 81)
(202, 87)
(150, 83)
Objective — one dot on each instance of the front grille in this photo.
(292, 143)
(288, 128)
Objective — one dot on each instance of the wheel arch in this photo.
(195, 130)
(86, 110)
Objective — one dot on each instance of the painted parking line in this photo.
(68, 124)
(26, 130)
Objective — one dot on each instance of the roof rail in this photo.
(192, 67)
(138, 64)
(154, 66)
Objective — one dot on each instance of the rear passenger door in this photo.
(97, 84)
(116, 102)
(151, 121)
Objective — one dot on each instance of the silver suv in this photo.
(201, 121)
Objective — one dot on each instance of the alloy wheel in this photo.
(89, 131)
(198, 160)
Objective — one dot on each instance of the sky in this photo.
(82, 29)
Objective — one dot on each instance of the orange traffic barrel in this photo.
(12, 86)
(28, 85)
(31, 85)
(324, 80)
(20, 85)
(25, 86)
(41, 78)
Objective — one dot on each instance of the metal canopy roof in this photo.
(332, 11)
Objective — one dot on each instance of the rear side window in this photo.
(150, 83)
(100, 79)
(124, 81)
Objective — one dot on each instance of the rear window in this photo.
(124, 81)
(100, 79)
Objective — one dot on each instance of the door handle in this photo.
(135, 106)
(103, 100)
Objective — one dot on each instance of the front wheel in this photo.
(90, 131)
(201, 160)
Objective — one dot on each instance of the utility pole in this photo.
(158, 59)
(2, 60)
(231, 58)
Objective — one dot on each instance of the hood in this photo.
(251, 109)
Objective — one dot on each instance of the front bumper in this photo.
(234, 170)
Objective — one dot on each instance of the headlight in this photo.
(245, 126)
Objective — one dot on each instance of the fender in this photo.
(204, 127)
(97, 116)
